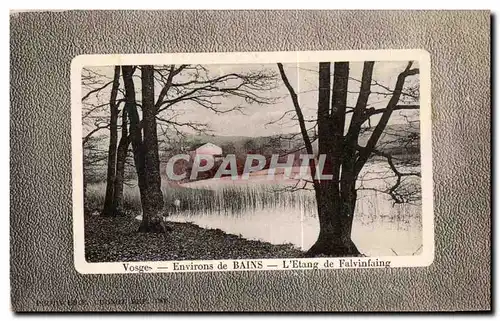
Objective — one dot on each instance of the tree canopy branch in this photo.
(171, 74)
(392, 191)
(96, 90)
(300, 116)
(393, 102)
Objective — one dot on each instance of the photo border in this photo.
(423, 57)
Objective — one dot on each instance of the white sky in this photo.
(304, 79)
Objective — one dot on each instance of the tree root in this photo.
(156, 225)
(333, 248)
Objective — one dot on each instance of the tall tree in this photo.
(153, 195)
(336, 195)
(98, 115)
(145, 156)
(95, 119)
(178, 84)
(121, 157)
(108, 209)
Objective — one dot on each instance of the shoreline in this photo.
(110, 239)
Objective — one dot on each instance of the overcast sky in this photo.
(254, 121)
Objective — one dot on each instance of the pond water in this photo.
(262, 211)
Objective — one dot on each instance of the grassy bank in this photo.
(117, 240)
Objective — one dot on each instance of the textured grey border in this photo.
(42, 272)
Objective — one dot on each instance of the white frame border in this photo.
(423, 57)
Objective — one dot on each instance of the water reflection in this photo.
(379, 228)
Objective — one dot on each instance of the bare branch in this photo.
(393, 102)
(96, 90)
(193, 125)
(393, 190)
(300, 116)
(86, 138)
(204, 91)
(171, 74)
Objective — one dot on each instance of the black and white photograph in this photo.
(250, 160)
(260, 163)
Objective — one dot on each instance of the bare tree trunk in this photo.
(113, 138)
(150, 222)
(349, 176)
(85, 184)
(135, 132)
(145, 150)
(120, 166)
(335, 225)
(336, 198)
(334, 237)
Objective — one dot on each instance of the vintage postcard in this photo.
(252, 161)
